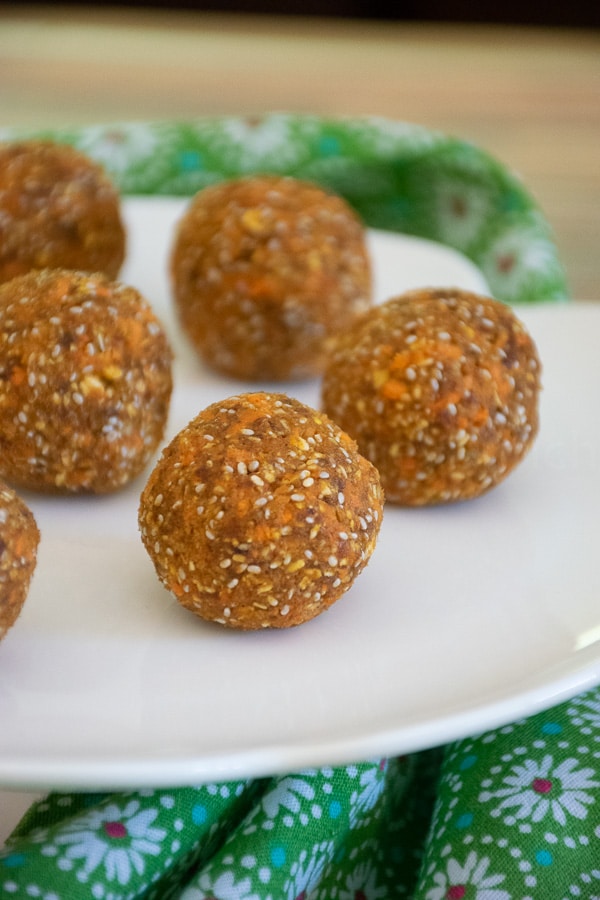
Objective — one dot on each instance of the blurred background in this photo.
(578, 13)
(520, 79)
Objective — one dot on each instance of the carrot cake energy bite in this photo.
(260, 513)
(85, 382)
(266, 270)
(440, 390)
(58, 209)
(19, 539)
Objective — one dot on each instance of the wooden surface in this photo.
(531, 97)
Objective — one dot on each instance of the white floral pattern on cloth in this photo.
(274, 855)
(538, 788)
(515, 818)
(527, 797)
(456, 879)
(116, 838)
(398, 176)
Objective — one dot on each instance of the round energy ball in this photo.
(265, 271)
(440, 389)
(19, 540)
(260, 513)
(85, 382)
(58, 209)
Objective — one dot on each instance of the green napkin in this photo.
(517, 815)
(512, 814)
(399, 176)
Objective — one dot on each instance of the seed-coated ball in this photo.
(439, 388)
(260, 513)
(266, 270)
(85, 382)
(19, 539)
(58, 209)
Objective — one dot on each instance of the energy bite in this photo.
(19, 540)
(85, 382)
(58, 209)
(439, 387)
(260, 513)
(265, 271)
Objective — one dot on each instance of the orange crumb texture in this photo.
(58, 209)
(266, 270)
(19, 539)
(440, 390)
(260, 513)
(85, 382)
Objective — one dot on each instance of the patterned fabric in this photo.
(512, 814)
(349, 832)
(518, 811)
(398, 176)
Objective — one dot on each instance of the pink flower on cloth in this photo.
(114, 837)
(535, 789)
(470, 881)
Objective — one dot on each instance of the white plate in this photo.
(467, 616)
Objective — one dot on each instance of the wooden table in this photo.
(531, 97)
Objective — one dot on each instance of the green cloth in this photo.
(399, 177)
(512, 814)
